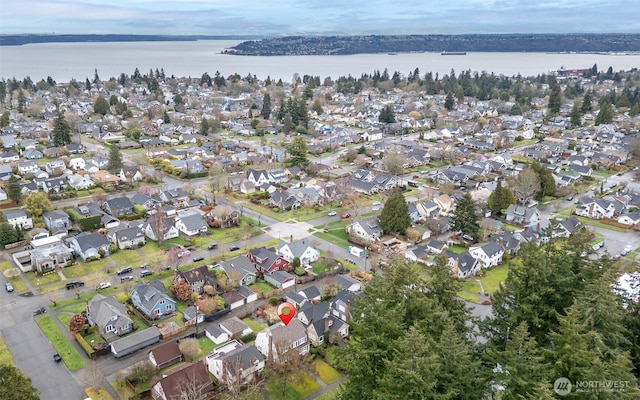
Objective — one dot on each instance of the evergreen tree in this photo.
(266, 106)
(576, 115)
(555, 99)
(585, 107)
(7, 235)
(394, 217)
(115, 159)
(165, 117)
(204, 126)
(22, 100)
(61, 131)
(519, 366)
(101, 106)
(298, 152)
(443, 289)
(15, 385)
(605, 115)
(14, 191)
(387, 115)
(547, 183)
(496, 199)
(4, 120)
(465, 218)
(449, 102)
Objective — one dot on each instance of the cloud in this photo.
(317, 16)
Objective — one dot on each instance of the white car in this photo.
(104, 285)
(628, 249)
(332, 213)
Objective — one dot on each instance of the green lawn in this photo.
(274, 391)
(471, 286)
(64, 317)
(18, 284)
(593, 222)
(261, 287)
(305, 385)
(5, 266)
(206, 346)
(332, 395)
(457, 249)
(333, 239)
(491, 281)
(468, 296)
(127, 257)
(60, 342)
(44, 280)
(254, 325)
(326, 372)
(5, 355)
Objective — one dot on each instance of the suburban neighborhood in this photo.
(157, 223)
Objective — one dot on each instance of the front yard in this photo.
(60, 343)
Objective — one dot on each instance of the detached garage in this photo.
(135, 342)
(280, 279)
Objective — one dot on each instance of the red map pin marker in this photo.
(286, 312)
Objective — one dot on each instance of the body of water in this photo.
(63, 61)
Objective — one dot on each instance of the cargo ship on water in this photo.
(453, 53)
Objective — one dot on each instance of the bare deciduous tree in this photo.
(289, 364)
(526, 185)
(394, 163)
(189, 347)
(158, 224)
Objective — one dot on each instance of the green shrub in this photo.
(273, 301)
(85, 346)
(248, 337)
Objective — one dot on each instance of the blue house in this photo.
(152, 300)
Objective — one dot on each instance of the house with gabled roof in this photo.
(56, 221)
(596, 209)
(566, 227)
(28, 167)
(175, 196)
(239, 270)
(127, 237)
(198, 278)
(130, 174)
(18, 219)
(119, 206)
(168, 230)
(109, 316)
(80, 182)
(522, 215)
(462, 264)
(490, 254)
(192, 224)
(87, 245)
(321, 325)
(152, 300)
(170, 386)
(258, 177)
(367, 228)
(301, 249)
(235, 364)
(266, 260)
(278, 337)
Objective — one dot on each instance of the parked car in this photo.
(198, 258)
(628, 249)
(467, 237)
(124, 270)
(104, 285)
(145, 272)
(376, 203)
(57, 358)
(570, 198)
(234, 248)
(74, 284)
(346, 215)
(39, 311)
(212, 246)
(126, 278)
(332, 213)
(8, 286)
(184, 252)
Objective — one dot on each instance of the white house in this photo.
(366, 228)
(279, 338)
(80, 182)
(77, 163)
(235, 364)
(632, 218)
(18, 218)
(192, 225)
(300, 248)
(489, 254)
(28, 167)
(258, 178)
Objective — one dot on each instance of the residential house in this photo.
(100, 162)
(311, 293)
(118, 206)
(321, 325)
(462, 264)
(445, 204)
(566, 227)
(235, 364)
(55, 167)
(105, 179)
(267, 261)
(48, 253)
(8, 157)
(284, 201)
(198, 278)
(239, 270)
(193, 224)
(169, 387)
(258, 178)
(152, 300)
(489, 254)
(368, 229)
(301, 249)
(130, 174)
(57, 221)
(54, 185)
(127, 237)
(18, 218)
(436, 246)
(145, 201)
(3, 195)
(80, 182)
(275, 341)
(522, 215)
(32, 154)
(187, 166)
(75, 148)
(168, 229)
(87, 245)
(28, 167)
(596, 209)
(348, 283)
(77, 163)
(235, 328)
(109, 316)
(165, 355)
(631, 218)
(177, 197)
(341, 305)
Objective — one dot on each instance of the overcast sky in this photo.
(334, 17)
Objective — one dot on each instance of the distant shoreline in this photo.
(19, 40)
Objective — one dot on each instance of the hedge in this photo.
(85, 346)
(86, 223)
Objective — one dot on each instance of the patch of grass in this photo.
(305, 385)
(468, 296)
(332, 239)
(127, 257)
(60, 343)
(101, 393)
(5, 266)
(206, 346)
(332, 395)
(494, 276)
(5, 355)
(471, 286)
(123, 390)
(65, 318)
(326, 372)
(319, 268)
(18, 284)
(261, 287)
(254, 325)
(274, 391)
(43, 280)
(593, 222)
(457, 249)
